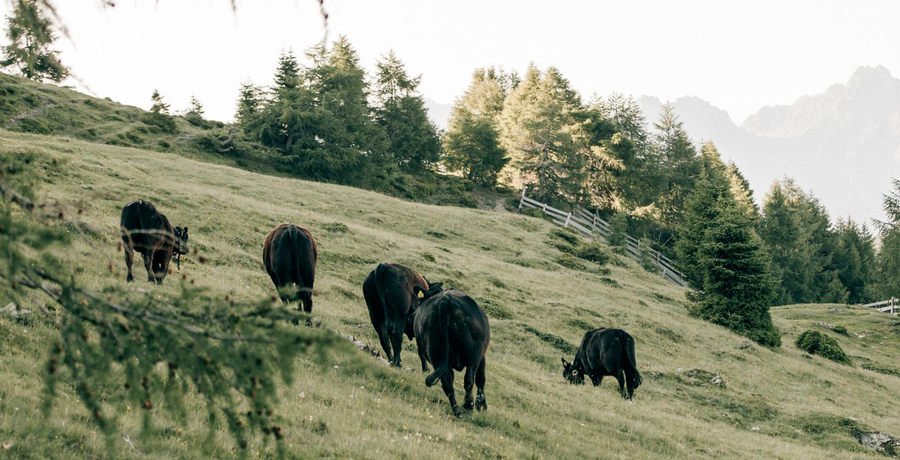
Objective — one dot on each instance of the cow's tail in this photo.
(630, 360)
(442, 340)
(380, 271)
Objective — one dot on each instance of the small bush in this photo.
(840, 330)
(593, 253)
(336, 227)
(159, 122)
(816, 343)
(570, 262)
(564, 235)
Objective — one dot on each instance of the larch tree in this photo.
(159, 106)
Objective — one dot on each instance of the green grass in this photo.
(777, 403)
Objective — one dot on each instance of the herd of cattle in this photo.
(451, 330)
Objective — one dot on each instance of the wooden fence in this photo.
(891, 305)
(593, 226)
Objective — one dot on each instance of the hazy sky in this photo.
(738, 57)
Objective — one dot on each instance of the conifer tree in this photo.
(195, 107)
(31, 38)
(537, 131)
(249, 105)
(412, 138)
(287, 75)
(677, 163)
(724, 260)
(472, 142)
(159, 106)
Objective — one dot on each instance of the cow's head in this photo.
(572, 373)
(181, 246)
(181, 238)
(433, 289)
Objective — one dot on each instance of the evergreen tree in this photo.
(31, 37)
(250, 104)
(195, 107)
(287, 75)
(677, 165)
(537, 127)
(724, 260)
(887, 276)
(412, 138)
(472, 142)
(159, 106)
(473, 146)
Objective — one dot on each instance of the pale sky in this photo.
(737, 57)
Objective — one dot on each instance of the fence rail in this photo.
(595, 227)
(892, 305)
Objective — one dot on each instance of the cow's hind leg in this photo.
(620, 377)
(306, 298)
(469, 383)
(422, 357)
(384, 335)
(629, 383)
(447, 384)
(148, 262)
(396, 330)
(129, 259)
(480, 400)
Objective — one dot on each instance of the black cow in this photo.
(391, 293)
(452, 332)
(605, 352)
(290, 254)
(147, 231)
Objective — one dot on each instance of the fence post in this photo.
(568, 219)
(522, 201)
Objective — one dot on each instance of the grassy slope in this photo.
(361, 409)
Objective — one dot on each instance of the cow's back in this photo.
(604, 347)
(144, 227)
(290, 254)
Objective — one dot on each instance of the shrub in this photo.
(159, 122)
(816, 343)
(593, 253)
(570, 262)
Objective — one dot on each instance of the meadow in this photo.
(775, 403)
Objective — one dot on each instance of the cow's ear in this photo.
(184, 231)
(419, 291)
(565, 363)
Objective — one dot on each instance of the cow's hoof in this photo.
(457, 412)
(468, 405)
(480, 403)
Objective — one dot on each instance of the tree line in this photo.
(324, 118)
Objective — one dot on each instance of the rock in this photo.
(836, 310)
(718, 381)
(86, 187)
(746, 345)
(13, 310)
(879, 442)
(756, 428)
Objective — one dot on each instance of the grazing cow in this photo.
(147, 231)
(391, 292)
(605, 352)
(452, 332)
(290, 254)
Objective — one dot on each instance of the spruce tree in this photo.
(677, 165)
(31, 38)
(250, 103)
(412, 138)
(195, 107)
(159, 106)
(724, 261)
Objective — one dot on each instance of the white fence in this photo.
(891, 305)
(593, 227)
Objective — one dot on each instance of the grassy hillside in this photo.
(31, 107)
(776, 403)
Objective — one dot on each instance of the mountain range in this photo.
(843, 144)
